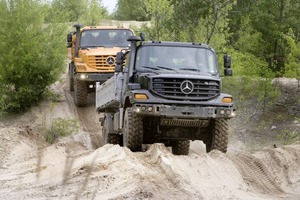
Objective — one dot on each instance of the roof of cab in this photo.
(182, 44)
(103, 27)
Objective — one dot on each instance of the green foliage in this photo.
(51, 95)
(88, 12)
(192, 21)
(32, 53)
(258, 92)
(59, 128)
(247, 64)
(160, 12)
(93, 13)
(131, 10)
(293, 57)
(289, 137)
(263, 36)
(68, 10)
(200, 20)
(269, 21)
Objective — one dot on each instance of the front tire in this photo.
(217, 136)
(80, 93)
(181, 147)
(132, 130)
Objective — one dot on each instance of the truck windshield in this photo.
(105, 38)
(176, 58)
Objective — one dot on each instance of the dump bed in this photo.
(108, 94)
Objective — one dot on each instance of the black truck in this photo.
(165, 92)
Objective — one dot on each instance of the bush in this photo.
(289, 137)
(255, 91)
(60, 127)
(32, 53)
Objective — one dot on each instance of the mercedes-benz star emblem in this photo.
(110, 60)
(187, 87)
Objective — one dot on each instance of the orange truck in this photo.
(92, 55)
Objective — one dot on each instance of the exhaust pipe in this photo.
(77, 26)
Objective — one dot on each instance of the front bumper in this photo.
(184, 112)
(94, 77)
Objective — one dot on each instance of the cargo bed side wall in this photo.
(108, 94)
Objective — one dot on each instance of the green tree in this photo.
(269, 21)
(293, 57)
(160, 12)
(68, 10)
(93, 13)
(32, 53)
(88, 12)
(132, 10)
(194, 21)
(192, 16)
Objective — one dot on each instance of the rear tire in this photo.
(132, 130)
(71, 77)
(218, 136)
(181, 147)
(80, 93)
(109, 138)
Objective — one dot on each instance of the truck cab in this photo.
(167, 92)
(92, 55)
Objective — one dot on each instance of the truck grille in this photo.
(102, 63)
(185, 89)
(184, 122)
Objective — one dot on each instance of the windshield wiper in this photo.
(159, 68)
(148, 67)
(190, 69)
(166, 68)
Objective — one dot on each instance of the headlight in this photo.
(140, 96)
(83, 76)
(227, 100)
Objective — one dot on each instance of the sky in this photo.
(109, 4)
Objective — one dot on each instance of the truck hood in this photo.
(101, 51)
(198, 75)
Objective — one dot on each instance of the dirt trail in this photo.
(68, 170)
(87, 116)
(73, 168)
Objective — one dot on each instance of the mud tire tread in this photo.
(71, 78)
(109, 138)
(219, 137)
(181, 147)
(80, 93)
(133, 130)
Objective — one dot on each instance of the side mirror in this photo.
(69, 40)
(69, 37)
(142, 36)
(120, 58)
(118, 68)
(228, 72)
(227, 65)
(227, 61)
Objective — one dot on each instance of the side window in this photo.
(84, 39)
(211, 62)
